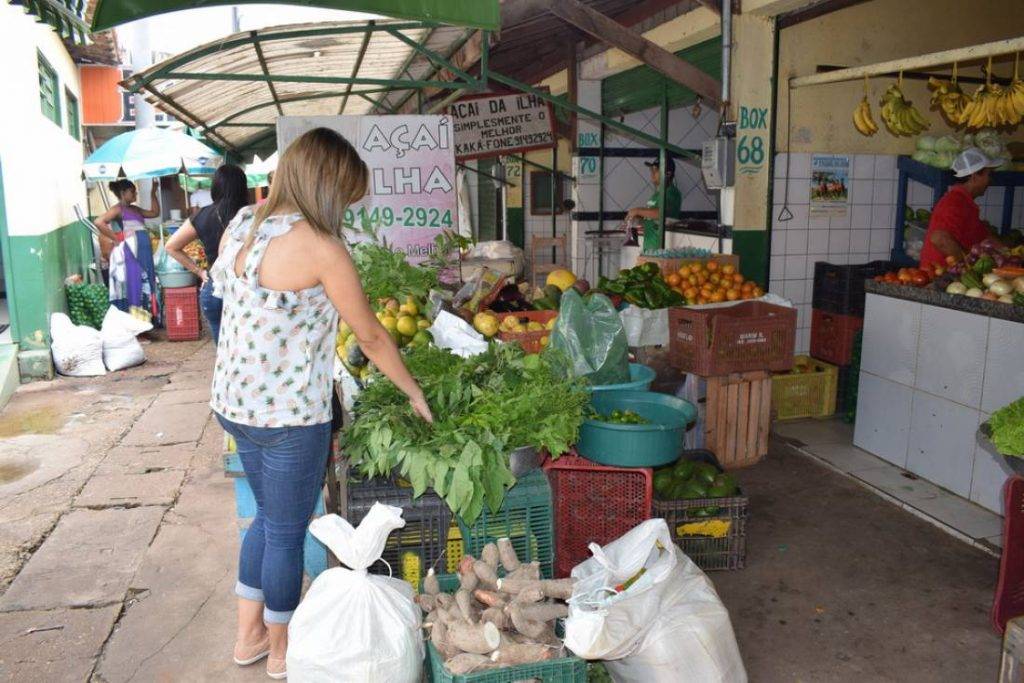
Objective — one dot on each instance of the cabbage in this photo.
(968, 139)
(944, 159)
(947, 143)
(925, 157)
(926, 143)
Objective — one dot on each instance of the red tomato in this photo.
(919, 279)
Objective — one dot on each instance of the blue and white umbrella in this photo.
(150, 153)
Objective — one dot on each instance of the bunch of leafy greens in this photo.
(484, 407)
(1007, 428)
(385, 273)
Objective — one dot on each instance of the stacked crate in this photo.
(836, 321)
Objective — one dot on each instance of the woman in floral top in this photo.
(285, 276)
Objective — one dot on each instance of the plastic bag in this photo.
(669, 626)
(645, 327)
(120, 347)
(455, 334)
(77, 349)
(590, 332)
(87, 303)
(354, 626)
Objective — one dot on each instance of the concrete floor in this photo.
(120, 544)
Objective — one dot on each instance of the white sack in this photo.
(645, 327)
(668, 627)
(353, 626)
(120, 347)
(77, 349)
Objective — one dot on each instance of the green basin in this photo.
(640, 379)
(624, 445)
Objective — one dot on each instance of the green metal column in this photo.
(663, 162)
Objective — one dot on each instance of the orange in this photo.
(747, 286)
(737, 278)
(715, 278)
(728, 269)
(692, 279)
(757, 292)
(718, 297)
(701, 278)
(684, 271)
(711, 266)
(673, 280)
(732, 295)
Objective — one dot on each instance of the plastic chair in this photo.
(97, 251)
(1009, 598)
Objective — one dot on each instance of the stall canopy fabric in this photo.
(149, 153)
(232, 90)
(482, 14)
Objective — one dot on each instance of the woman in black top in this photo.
(230, 193)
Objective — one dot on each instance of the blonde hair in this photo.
(320, 174)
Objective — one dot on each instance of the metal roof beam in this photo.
(196, 121)
(287, 100)
(263, 65)
(358, 64)
(439, 61)
(609, 31)
(136, 82)
(404, 69)
(377, 103)
(332, 80)
(458, 45)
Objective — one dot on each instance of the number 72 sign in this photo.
(751, 140)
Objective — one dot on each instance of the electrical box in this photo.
(717, 163)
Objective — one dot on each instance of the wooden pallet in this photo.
(738, 417)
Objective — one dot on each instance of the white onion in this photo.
(1001, 288)
(973, 292)
(989, 278)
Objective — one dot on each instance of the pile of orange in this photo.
(710, 282)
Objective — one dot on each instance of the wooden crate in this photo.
(738, 417)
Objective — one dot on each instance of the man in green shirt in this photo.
(653, 238)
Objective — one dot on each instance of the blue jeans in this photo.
(211, 306)
(285, 468)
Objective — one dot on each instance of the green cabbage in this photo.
(1007, 427)
(947, 143)
(926, 143)
(925, 157)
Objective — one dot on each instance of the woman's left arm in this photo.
(154, 202)
(175, 246)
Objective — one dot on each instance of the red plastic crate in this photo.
(1009, 597)
(832, 336)
(530, 341)
(749, 336)
(594, 504)
(181, 313)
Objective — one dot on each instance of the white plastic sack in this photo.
(455, 334)
(120, 347)
(645, 327)
(668, 627)
(77, 349)
(354, 626)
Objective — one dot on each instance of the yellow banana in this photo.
(858, 122)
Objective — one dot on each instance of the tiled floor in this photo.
(831, 443)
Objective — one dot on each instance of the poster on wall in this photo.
(493, 125)
(830, 185)
(411, 159)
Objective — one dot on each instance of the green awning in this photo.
(483, 14)
(65, 16)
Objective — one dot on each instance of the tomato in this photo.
(879, 278)
(919, 279)
(904, 276)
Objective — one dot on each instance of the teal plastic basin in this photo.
(640, 379)
(649, 445)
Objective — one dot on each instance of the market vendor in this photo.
(119, 224)
(651, 212)
(955, 225)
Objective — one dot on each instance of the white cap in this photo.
(972, 160)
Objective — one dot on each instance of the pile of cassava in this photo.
(491, 622)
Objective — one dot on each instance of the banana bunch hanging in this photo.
(994, 105)
(863, 120)
(948, 98)
(899, 115)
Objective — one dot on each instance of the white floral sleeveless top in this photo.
(275, 357)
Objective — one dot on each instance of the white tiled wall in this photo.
(929, 377)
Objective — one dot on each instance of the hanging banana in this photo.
(863, 120)
(899, 115)
(994, 105)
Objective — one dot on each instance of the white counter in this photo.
(929, 376)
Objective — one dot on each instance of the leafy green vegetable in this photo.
(1007, 427)
(484, 407)
(386, 273)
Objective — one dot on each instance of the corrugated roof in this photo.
(220, 99)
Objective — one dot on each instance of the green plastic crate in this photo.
(525, 518)
(564, 670)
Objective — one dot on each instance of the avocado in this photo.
(683, 469)
(663, 482)
(704, 472)
(720, 491)
(692, 490)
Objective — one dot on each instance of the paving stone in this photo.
(113, 490)
(87, 561)
(143, 459)
(31, 460)
(31, 649)
(192, 379)
(173, 395)
(163, 425)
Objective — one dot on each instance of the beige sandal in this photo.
(276, 669)
(244, 656)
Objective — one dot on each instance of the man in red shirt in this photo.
(955, 225)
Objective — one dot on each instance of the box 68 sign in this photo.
(494, 125)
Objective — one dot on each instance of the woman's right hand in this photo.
(420, 407)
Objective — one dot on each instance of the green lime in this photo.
(692, 490)
(704, 472)
(719, 491)
(663, 482)
(683, 469)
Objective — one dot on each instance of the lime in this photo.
(406, 325)
(421, 338)
(422, 323)
(663, 482)
(390, 323)
(719, 491)
(704, 472)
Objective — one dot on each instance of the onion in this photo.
(1006, 299)
(973, 292)
(1018, 283)
(1001, 288)
(956, 288)
(989, 279)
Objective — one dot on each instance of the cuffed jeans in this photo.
(211, 306)
(285, 469)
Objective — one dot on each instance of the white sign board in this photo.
(493, 125)
(411, 160)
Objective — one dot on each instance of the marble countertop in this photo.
(935, 297)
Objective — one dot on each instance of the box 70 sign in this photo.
(750, 145)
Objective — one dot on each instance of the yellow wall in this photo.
(872, 32)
